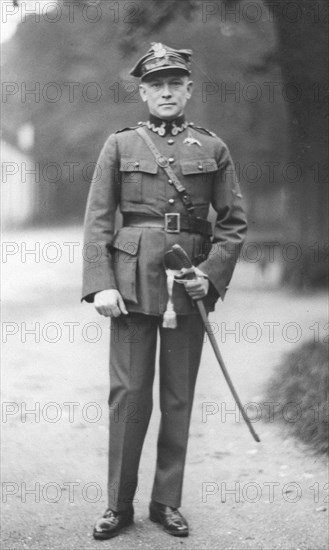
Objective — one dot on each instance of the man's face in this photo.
(166, 93)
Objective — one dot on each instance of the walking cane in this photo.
(178, 260)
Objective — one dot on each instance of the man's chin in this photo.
(168, 114)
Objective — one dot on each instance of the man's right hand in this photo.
(110, 303)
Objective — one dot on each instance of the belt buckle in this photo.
(172, 222)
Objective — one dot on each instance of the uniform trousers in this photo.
(132, 366)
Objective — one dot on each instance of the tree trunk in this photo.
(303, 56)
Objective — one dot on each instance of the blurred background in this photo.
(260, 72)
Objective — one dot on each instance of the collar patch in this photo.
(166, 127)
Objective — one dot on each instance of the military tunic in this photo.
(131, 259)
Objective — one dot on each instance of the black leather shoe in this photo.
(170, 518)
(111, 524)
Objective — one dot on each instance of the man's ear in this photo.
(143, 92)
(189, 88)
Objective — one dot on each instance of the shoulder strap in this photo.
(164, 164)
(201, 130)
(126, 129)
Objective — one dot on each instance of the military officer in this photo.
(125, 278)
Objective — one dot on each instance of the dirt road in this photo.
(237, 494)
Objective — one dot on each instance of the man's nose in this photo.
(166, 91)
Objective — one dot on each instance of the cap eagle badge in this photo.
(159, 50)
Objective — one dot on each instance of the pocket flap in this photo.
(129, 164)
(198, 166)
(127, 240)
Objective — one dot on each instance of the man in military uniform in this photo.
(125, 277)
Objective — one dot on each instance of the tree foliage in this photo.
(79, 53)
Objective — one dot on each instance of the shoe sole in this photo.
(104, 536)
(156, 519)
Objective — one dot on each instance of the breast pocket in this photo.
(135, 173)
(198, 177)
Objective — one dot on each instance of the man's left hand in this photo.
(197, 288)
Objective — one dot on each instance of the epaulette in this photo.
(202, 130)
(131, 128)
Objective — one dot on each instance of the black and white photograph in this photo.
(164, 275)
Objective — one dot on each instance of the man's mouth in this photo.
(167, 104)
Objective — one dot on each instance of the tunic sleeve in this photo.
(100, 223)
(231, 225)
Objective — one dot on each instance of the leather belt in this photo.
(171, 223)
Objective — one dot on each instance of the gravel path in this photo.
(237, 494)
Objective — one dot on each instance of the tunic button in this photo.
(171, 141)
(170, 181)
(137, 164)
(171, 201)
(171, 160)
(200, 166)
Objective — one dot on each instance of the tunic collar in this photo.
(163, 127)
